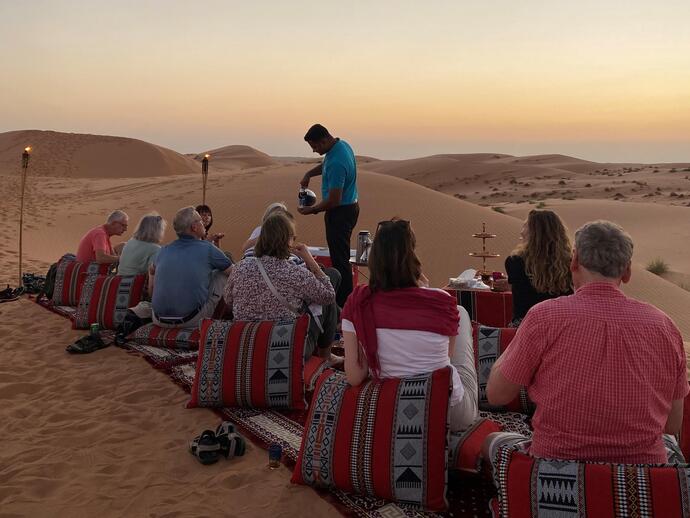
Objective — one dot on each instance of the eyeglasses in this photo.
(403, 223)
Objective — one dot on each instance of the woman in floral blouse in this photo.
(252, 299)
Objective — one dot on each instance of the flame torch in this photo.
(26, 155)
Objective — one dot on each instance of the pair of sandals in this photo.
(86, 344)
(10, 295)
(225, 441)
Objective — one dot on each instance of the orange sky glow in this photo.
(604, 80)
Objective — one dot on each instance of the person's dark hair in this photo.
(201, 209)
(276, 233)
(316, 133)
(393, 263)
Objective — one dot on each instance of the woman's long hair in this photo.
(546, 253)
(393, 263)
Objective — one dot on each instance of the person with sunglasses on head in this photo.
(339, 199)
(398, 327)
(95, 246)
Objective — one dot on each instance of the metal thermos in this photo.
(363, 244)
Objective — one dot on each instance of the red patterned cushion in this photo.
(489, 344)
(385, 439)
(489, 308)
(466, 446)
(151, 334)
(314, 367)
(105, 298)
(529, 487)
(251, 364)
(69, 279)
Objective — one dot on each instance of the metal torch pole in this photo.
(25, 167)
(204, 176)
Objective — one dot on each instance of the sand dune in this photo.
(443, 224)
(237, 157)
(77, 155)
(495, 179)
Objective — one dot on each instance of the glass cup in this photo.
(275, 453)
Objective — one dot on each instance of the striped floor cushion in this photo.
(385, 439)
(69, 279)
(489, 344)
(529, 487)
(251, 364)
(105, 299)
(465, 448)
(155, 336)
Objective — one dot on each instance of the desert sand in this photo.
(106, 435)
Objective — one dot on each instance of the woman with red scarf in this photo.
(399, 327)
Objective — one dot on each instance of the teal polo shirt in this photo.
(339, 171)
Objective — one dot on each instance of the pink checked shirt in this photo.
(602, 369)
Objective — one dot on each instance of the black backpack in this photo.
(49, 285)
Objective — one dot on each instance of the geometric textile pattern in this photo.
(489, 344)
(251, 364)
(489, 308)
(384, 439)
(69, 279)
(531, 487)
(105, 298)
(169, 338)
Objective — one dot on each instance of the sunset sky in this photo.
(601, 80)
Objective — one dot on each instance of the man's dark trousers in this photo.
(340, 222)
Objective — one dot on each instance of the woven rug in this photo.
(468, 495)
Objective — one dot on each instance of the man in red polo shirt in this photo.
(95, 246)
(607, 372)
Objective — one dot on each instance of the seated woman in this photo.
(277, 206)
(207, 218)
(539, 268)
(398, 327)
(291, 287)
(141, 250)
(249, 244)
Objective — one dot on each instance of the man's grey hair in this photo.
(151, 228)
(273, 207)
(184, 219)
(604, 248)
(117, 215)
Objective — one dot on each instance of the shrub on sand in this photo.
(500, 210)
(657, 266)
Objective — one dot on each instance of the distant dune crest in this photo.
(79, 155)
(238, 157)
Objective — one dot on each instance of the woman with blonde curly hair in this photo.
(539, 268)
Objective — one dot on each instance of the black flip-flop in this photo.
(86, 344)
(232, 444)
(205, 447)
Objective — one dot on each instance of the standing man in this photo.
(339, 199)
